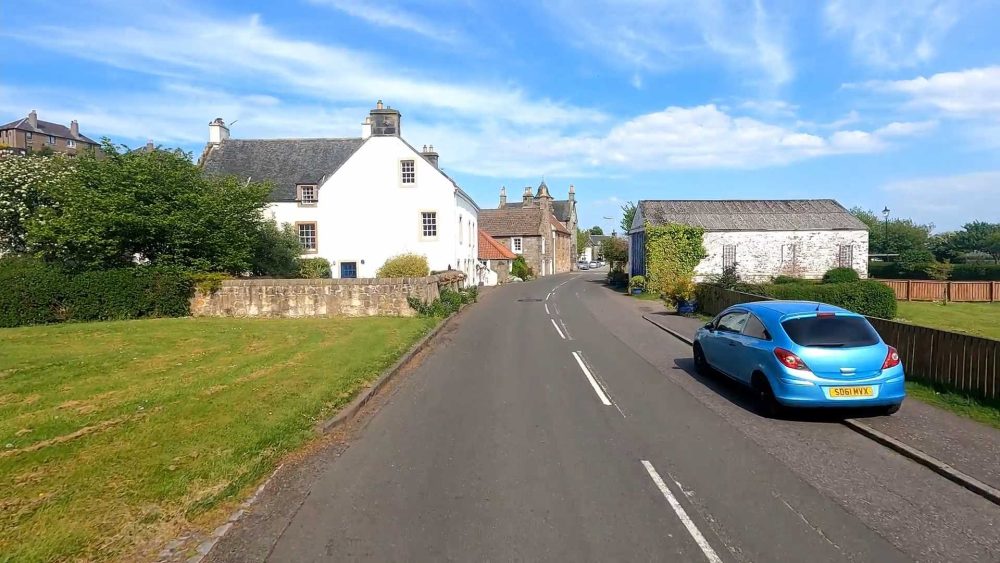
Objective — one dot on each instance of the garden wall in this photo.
(321, 298)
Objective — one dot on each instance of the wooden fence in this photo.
(923, 290)
(962, 362)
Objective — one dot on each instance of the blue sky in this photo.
(870, 102)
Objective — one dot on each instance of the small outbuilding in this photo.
(761, 238)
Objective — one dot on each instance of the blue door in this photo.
(348, 269)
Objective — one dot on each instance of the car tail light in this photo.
(789, 360)
(891, 359)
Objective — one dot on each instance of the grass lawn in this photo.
(979, 319)
(115, 435)
(981, 410)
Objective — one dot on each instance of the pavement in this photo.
(551, 423)
(966, 445)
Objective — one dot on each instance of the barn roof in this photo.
(752, 215)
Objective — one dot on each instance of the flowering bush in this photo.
(25, 187)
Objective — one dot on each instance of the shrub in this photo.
(208, 282)
(976, 272)
(34, 292)
(637, 282)
(314, 268)
(866, 297)
(30, 292)
(729, 278)
(938, 270)
(778, 280)
(519, 269)
(672, 253)
(841, 275)
(404, 266)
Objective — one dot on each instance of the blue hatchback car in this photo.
(802, 354)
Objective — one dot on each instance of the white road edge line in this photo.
(561, 335)
(565, 330)
(593, 382)
(547, 296)
(547, 309)
(685, 519)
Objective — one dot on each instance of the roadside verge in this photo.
(944, 469)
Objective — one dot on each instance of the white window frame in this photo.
(70, 143)
(28, 136)
(298, 232)
(52, 139)
(461, 240)
(300, 197)
(517, 245)
(407, 178)
(422, 225)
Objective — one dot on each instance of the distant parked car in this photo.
(802, 354)
(594, 264)
(583, 265)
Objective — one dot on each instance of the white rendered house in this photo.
(358, 201)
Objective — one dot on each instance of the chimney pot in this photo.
(378, 105)
(217, 131)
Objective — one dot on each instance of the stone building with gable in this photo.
(563, 209)
(531, 229)
(762, 238)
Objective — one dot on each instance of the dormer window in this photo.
(407, 172)
(307, 194)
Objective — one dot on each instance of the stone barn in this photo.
(762, 238)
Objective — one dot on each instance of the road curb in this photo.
(941, 468)
(672, 332)
(351, 410)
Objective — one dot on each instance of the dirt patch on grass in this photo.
(86, 430)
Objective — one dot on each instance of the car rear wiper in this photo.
(827, 345)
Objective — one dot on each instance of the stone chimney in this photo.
(366, 128)
(150, 147)
(527, 199)
(74, 128)
(33, 119)
(503, 197)
(572, 193)
(217, 131)
(385, 121)
(431, 155)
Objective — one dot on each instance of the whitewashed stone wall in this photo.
(762, 255)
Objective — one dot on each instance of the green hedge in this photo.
(959, 272)
(866, 297)
(840, 275)
(32, 292)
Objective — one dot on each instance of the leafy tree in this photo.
(901, 236)
(595, 230)
(944, 246)
(155, 207)
(24, 186)
(404, 266)
(628, 213)
(582, 238)
(615, 251)
(276, 252)
(980, 236)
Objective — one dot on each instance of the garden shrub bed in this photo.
(959, 272)
(866, 297)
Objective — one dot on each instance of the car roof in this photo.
(779, 308)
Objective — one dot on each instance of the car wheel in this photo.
(890, 410)
(700, 363)
(767, 405)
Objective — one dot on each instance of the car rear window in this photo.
(831, 331)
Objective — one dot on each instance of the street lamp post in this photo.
(885, 231)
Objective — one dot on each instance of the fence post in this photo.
(947, 291)
(908, 289)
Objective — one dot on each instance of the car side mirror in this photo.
(709, 327)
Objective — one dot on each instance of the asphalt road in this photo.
(554, 424)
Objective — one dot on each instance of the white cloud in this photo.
(906, 128)
(892, 33)
(945, 200)
(653, 36)
(383, 14)
(966, 93)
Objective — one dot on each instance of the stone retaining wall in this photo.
(321, 298)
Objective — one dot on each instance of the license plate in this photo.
(851, 392)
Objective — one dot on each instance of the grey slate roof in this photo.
(283, 162)
(596, 240)
(46, 128)
(752, 215)
(560, 208)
